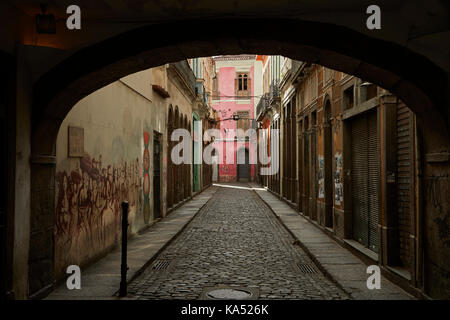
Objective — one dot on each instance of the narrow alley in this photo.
(235, 240)
(254, 150)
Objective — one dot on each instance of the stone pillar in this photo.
(42, 224)
(388, 221)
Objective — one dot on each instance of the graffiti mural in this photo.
(338, 187)
(146, 176)
(88, 207)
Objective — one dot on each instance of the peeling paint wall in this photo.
(119, 121)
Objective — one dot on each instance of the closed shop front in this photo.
(365, 177)
(405, 182)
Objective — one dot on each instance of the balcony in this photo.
(201, 93)
(274, 92)
(185, 74)
(290, 70)
(262, 106)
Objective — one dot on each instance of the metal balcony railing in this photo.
(275, 92)
(201, 92)
(262, 104)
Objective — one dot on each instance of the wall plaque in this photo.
(76, 142)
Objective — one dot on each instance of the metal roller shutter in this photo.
(374, 180)
(365, 179)
(360, 173)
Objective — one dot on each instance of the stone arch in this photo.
(383, 63)
(416, 80)
(176, 168)
(185, 166)
(170, 176)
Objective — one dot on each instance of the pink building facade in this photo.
(235, 86)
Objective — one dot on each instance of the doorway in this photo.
(328, 166)
(157, 175)
(215, 166)
(3, 199)
(243, 165)
(365, 179)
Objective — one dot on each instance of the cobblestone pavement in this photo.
(235, 240)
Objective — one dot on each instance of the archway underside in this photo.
(414, 79)
(411, 77)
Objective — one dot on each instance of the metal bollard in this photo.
(123, 266)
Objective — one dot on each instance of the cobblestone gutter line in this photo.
(340, 265)
(101, 280)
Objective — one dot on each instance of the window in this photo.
(242, 84)
(311, 88)
(244, 122)
(348, 98)
(301, 100)
(215, 83)
(368, 91)
(314, 86)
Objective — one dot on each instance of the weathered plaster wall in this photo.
(436, 226)
(22, 183)
(118, 122)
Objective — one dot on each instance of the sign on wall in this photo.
(76, 142)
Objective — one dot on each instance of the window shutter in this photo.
(249, 85)
(236, 84)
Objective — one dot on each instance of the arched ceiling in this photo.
(410, 55)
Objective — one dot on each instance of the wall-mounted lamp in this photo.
(45, 23)
(365, 84)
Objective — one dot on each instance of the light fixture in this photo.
(45, 23)
(235, 117)
(365, 84)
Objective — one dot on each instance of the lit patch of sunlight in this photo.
(236, 187)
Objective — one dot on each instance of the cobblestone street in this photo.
(235, 240)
